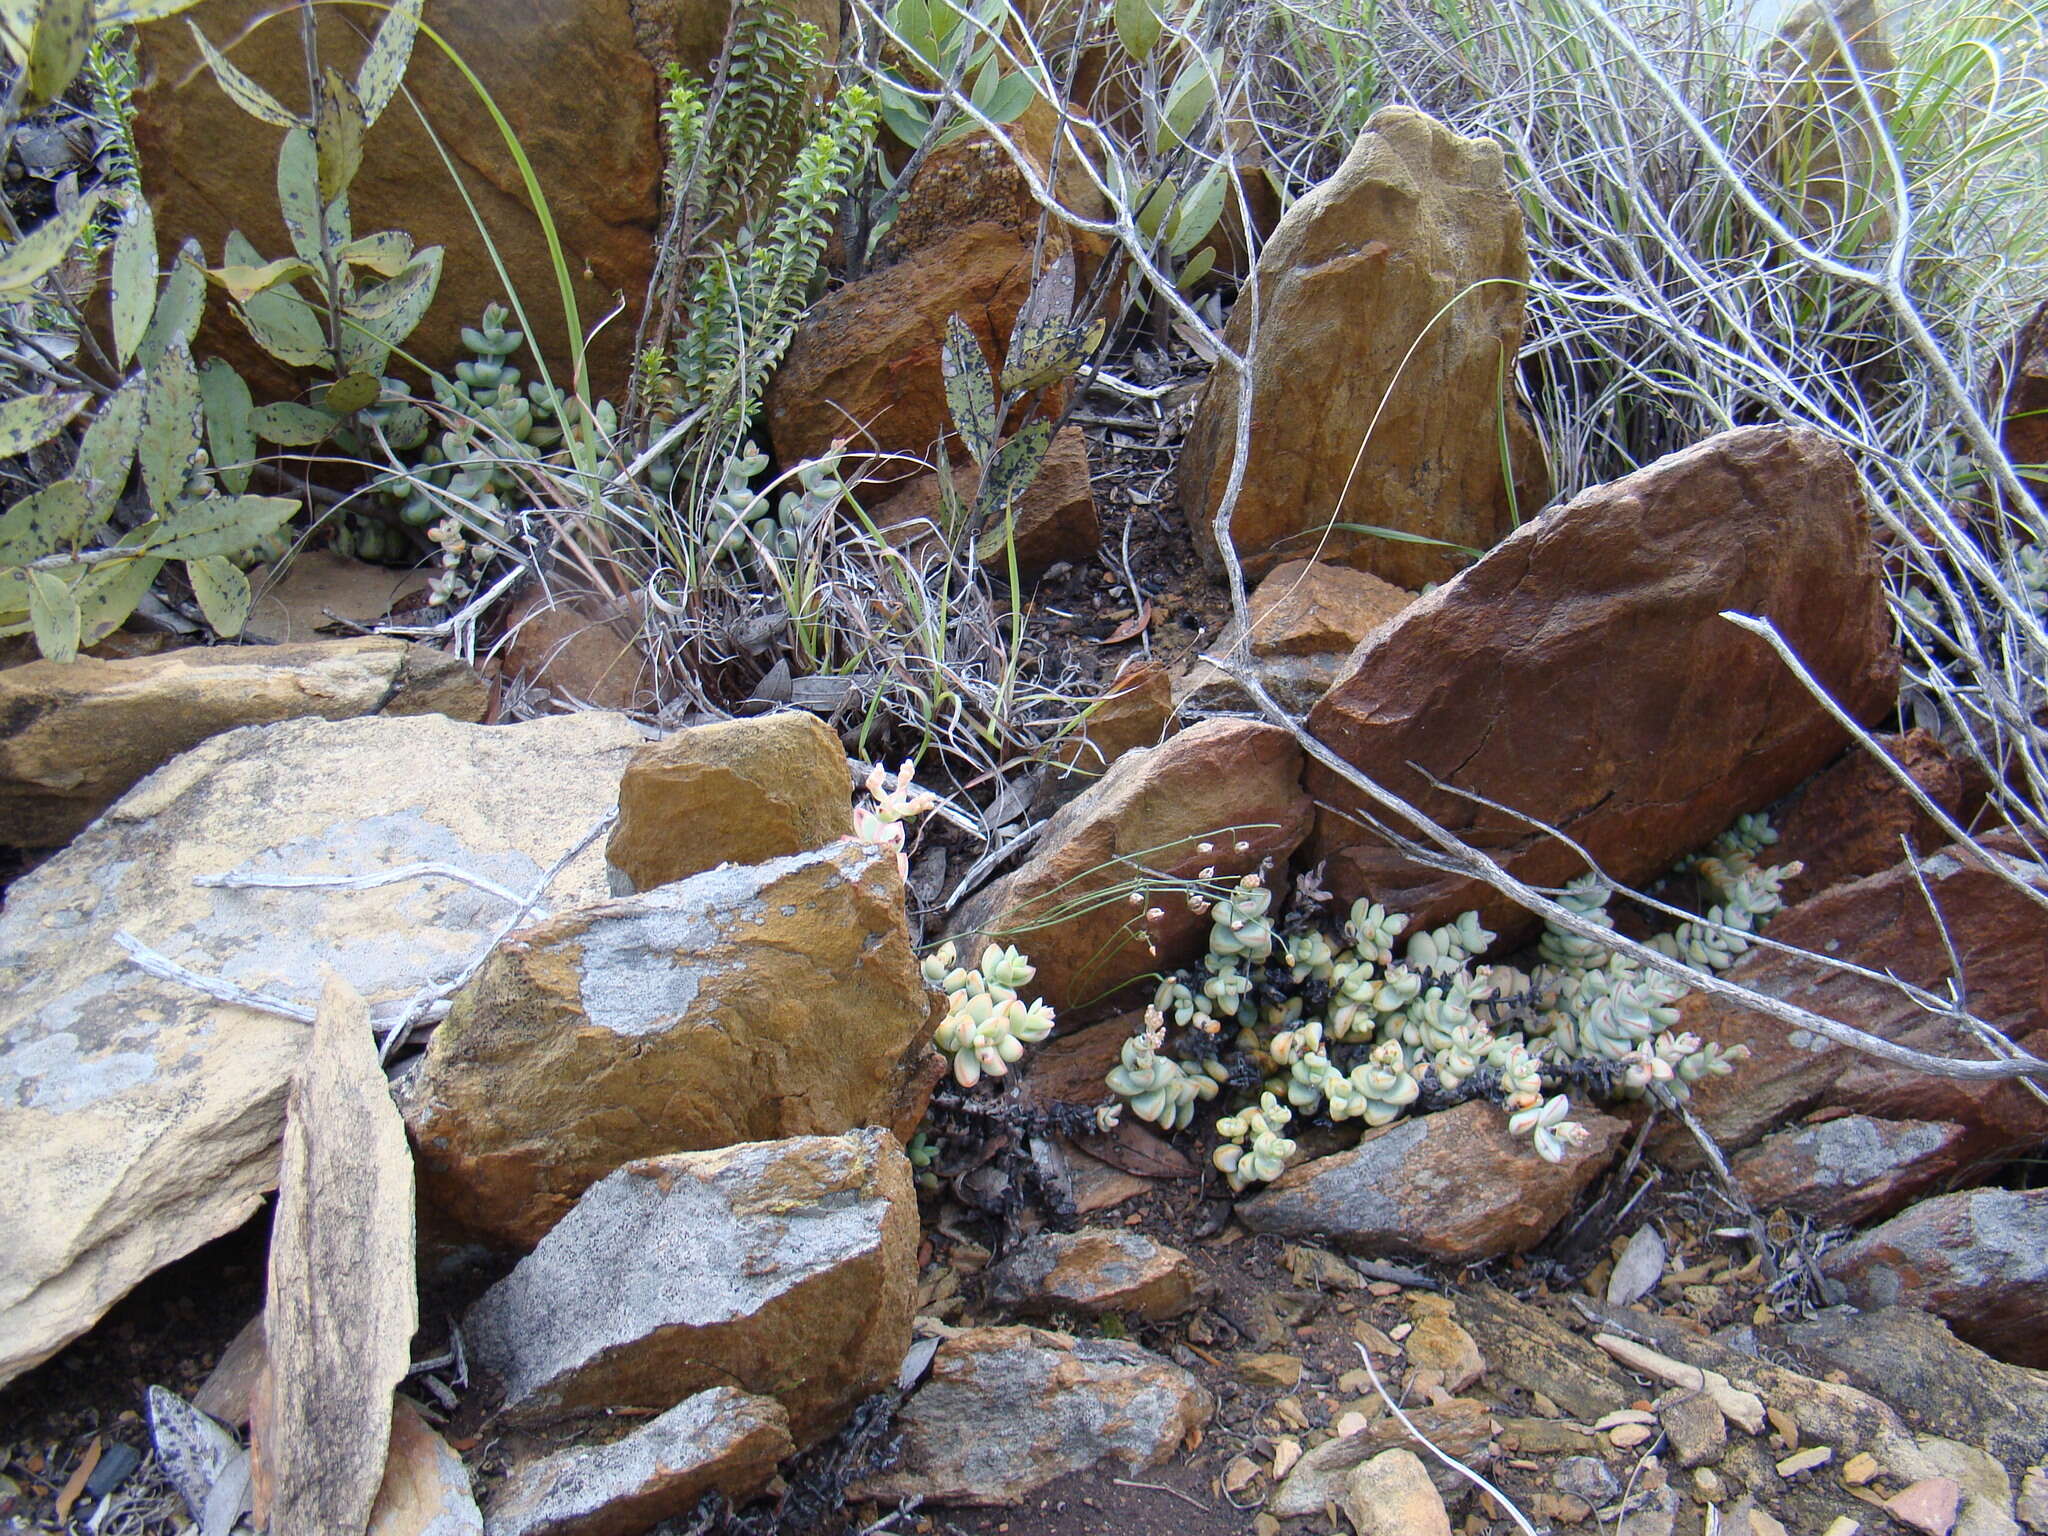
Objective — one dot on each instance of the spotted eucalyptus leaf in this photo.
(383, 66)
(230, 439)
(134, 280)
(970, 389)
(33, 420)
(171, 417)
(223, 593)
(337, 133)
(44, 523)
(241, 90)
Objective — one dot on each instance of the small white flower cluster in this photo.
(987, 1025)
(895, 802)
(450, 584)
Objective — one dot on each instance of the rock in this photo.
(1054, 517)
(1696, 1428)
(864, 362)
(1452, 1186)
(1306, 619)
(598, 154)
(1977, 1258)
(746, 1003)
(1458, 1426)
(1133, 711)
(1849, 1169)
(785, 1268)
(1358, 270)
(1657, 1515)
(142, 1117)
(1587, 1478)
(1882, 923)
(1547, 1437)
(1391, 1495)
(1438, 1344)
(1097, 1270)
(739, 791)
(1005, 1411)
(2032, 1507)
(1531, 1349)
(1223, 783)
(721, 1439)
(1638, 1269)
(1270, 1372)
(1582, 674)
(294, 601)
(1854, 816)
(1929, 1505)
(426, 1489)
(77, 736)
(577, 652)
(1914, 1363)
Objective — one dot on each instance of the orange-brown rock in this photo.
(741, 1004)
(1133, 712)
(1849, 1169)
(1582, 675)
(1224, 795)
(738, 792)
(1855, 818)
(74, 738)
(1882, 923)
(1098, 1270)
(1053, 518)
(1452, 1186)
(2024, 428)
(579, 651)
(1354, 277)
(787, 1269)
(580, 84)
(1307, 617)
(864, 363)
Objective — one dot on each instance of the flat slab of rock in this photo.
(721, 1439)
(746, 1003)
(1223, 783)
(1977, 1258)
(1005, 1411)
(1453, 1186)
(140, 1118)
(78, 736)
(1307, 616)
(1583, 675)
(1853, 819)
(786, 1268)
(1850, 1169)
(739, 791)
(1097, 1270)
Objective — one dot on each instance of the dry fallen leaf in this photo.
(1132, 627)
(74, 1485)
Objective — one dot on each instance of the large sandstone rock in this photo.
(1053, 518)
(139, 1118)
(73, 738)
(1170, 810)
(747, 1003)
(1977, 1258)
(786, 1268)
(1849, 1169)
(721, 1439)
(1582, 675)
(1006, 1411)
(1855, 818)
(580, 84)
(864, 363)
(1133, 711)
(1098, 1270)
(739, 791)
(1452, 1186)
(2024, 430)
(574, 651)
(1307, 617)
(1882, 923)
(1354, 277)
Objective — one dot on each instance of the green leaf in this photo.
(230, 440)
(385, 254)
(1014, 467)
(108, 448)
(1011, 99)
(390, 311)
(1153, 205)
(1402, 536)
(1138, 26)
(970, 389)
(344, 397)
(34, 419)
(46, 523)
(291, 425)
(384, 65)
(1197, 268)
(241, 90)
(298, 198)
(38, 251)
(134, 280)
(223, 593)
(1196, 212)
(285, 326)
(108, 593)
(220, 525)
(1192, 94)
(170, 428)
(56, 49)
(178, 307)
(244, 283)
(337, 133)
(53, 612)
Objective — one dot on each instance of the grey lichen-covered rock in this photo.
(1097, 1270)
(786, 1268)
(721, 1439)
(745, 1003)
(1849, 1169)
(74, 738)
(739, 791)
(1453, 1186)
(140, 1117)
(1007, 1410)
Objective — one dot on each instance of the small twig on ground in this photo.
(1521, 1520)
(1185, 1498)
(238, 882)
(167, 969)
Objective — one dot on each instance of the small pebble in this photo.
(1843, 1526)
(1860, 1469)
(1806, 1460)
(1626, 1437)
(1624, 1416)
(1707, 1484)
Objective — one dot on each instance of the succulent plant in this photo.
(1253, 1150)
(1158, 1088)
(987, 1025)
